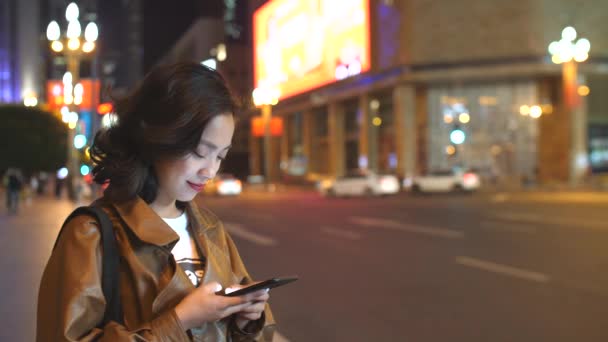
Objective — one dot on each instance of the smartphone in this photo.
(266, 284)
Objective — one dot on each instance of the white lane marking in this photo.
(279, 338)
(406, 227)
(551, 220)
(504, 226)
(239, 230)
(502, 269)
(342, 233)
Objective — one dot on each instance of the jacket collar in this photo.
(149, 227)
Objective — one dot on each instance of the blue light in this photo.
(79, 141)
(84, 170)
(457, 137)
(62, 173)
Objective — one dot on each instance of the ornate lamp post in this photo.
(266, 97)
(569, 52)
(72, 45)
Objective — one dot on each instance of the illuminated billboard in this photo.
(300, 45)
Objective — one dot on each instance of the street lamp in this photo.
(266, 97)
(74, 48)
(568, 52)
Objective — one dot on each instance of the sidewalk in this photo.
(26, 240)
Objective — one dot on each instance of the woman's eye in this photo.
(198, 155)
(221, 158)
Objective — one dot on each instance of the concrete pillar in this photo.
(284, 144)
(554, 138)
(404, 107)
(337, 158)
(307, 122)
(579, 161)
(373, 133)
(255, 164)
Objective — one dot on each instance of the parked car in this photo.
(445, 181)
(224, 185)
(359, 182)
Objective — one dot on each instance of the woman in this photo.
(171, 136)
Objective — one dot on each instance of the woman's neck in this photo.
(165, 208)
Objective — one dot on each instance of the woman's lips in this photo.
(196, 186)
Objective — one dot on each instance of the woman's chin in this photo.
(187, 197)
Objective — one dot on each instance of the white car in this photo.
(360, 182)
(224, 185)
(445, 181)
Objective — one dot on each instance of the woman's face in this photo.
(181, 179)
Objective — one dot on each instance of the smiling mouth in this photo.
(196, 186)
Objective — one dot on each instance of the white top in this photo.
(185, 252)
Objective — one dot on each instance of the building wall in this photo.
(467, 30)
(433, 32)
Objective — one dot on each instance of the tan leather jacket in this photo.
(71, 303)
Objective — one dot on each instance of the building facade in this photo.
(21, 55)
(443, 66)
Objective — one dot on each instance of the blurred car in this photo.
(445, 181)
(359, 182)
(224, 185)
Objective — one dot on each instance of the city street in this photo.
(482, 267)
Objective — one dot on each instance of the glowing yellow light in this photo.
(524, 110)
(72, 125)
(448, 119)
(376, 121)
(73, 44)
(464, 117)
(555, 59)
(88, 47)
(547, 109)
(535, 112)
(266, 96)
(57, 46)
(583, 90)
(450, 150)
(581, 57)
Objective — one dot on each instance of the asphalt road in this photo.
(487, 267)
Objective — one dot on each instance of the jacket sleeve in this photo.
(261, 330)
(71, 302)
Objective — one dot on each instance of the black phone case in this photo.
(267, 284)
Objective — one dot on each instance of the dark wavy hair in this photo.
(164, 117)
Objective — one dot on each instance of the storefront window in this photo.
(480, 127)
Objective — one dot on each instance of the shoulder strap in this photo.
(110, 284)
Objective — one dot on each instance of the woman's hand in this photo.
(203, 305)
(256, 304)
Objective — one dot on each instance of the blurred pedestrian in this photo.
(171, 136)
(14, 184)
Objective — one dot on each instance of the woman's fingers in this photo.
(254, 307)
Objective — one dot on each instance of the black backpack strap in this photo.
(110, 284)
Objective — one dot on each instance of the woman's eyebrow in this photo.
(212, 145)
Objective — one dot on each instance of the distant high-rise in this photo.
(20, 52)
